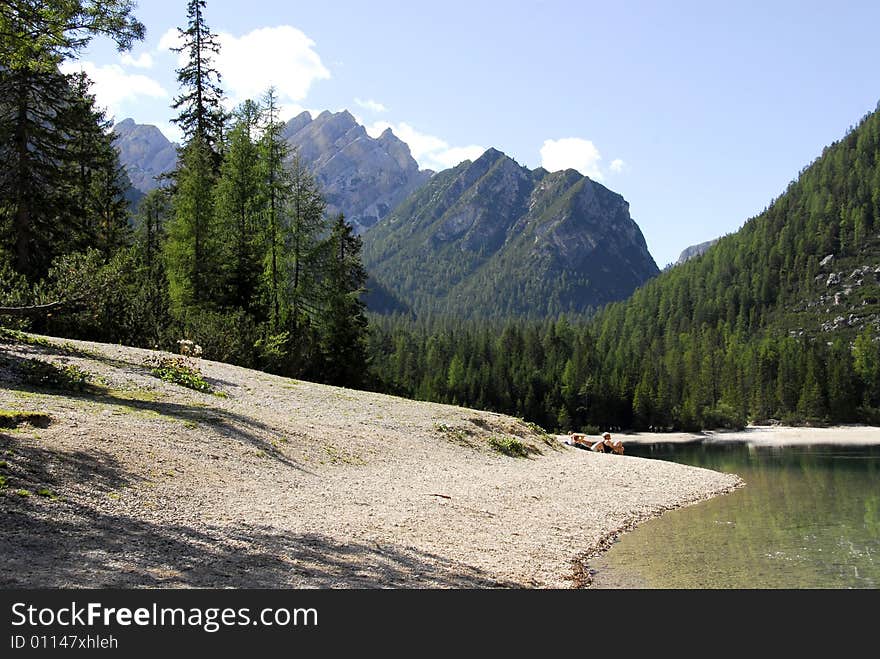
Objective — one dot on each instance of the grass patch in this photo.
(3, 481)
(141, 395)
(178, 370)
(13, 419)
(509, 446)
(47, 493)
(342, 457)
(24, 493)
(20, 337)
(456, 435)
(51, 375)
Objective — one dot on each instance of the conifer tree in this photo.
(200, 102)
(239, 193)
(193, 256)
(39, 114)
(191, 250)
(344, 323)
(277, 189)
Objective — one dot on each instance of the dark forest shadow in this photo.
(78, 546)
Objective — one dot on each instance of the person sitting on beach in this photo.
(605, 445)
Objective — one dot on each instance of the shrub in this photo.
(55, 376)
(509, 446)
(178, 370)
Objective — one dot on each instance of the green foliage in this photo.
(67, 377)
(201, 116)
(192, 249)
(39, 35)
(179, 370)
(510, 446)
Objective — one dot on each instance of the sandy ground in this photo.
(766, 436)
(282, 483)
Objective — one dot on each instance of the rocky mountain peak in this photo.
(361, 176)
(144, 152)
(491, 237)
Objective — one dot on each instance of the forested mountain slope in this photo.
(491, 238)
(778, 319)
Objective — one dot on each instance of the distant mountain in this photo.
(361, 176)
(145, 152)
(694, 251)
(493, 238)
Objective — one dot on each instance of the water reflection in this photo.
(809, 517)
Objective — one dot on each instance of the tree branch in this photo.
(33, 310)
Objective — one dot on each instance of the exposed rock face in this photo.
(145, 152)
(362, 177)
(694, 251)
(493, 238)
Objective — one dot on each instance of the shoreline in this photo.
(854, 434)
(287, 483)
(767, 436)
(582, 573)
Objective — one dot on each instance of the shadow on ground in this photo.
(66, 545)
(225, 421)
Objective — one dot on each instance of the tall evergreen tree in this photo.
(239, 194)
(344, 323)
(39, 117)
(98, 181)
(276, 186)
(191, 250)
(199, 105)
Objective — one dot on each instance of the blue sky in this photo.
(698, 113)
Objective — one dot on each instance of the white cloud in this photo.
(455, 155)
(112, 86)
(617, 166)
(170, 39)
(371, 105)
(171, 131)
(572, 153)
(143, 61)
(430, 151)
(280, 56)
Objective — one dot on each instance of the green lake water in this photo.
(808, 517)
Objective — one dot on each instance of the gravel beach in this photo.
(281, 483)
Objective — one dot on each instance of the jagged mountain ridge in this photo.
(361, 176)
(498, 237)
(493, 238)
(145, 153)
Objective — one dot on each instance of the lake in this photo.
(808, 517)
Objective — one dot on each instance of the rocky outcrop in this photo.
(694, 251)
(363, 177)
(144, 152)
